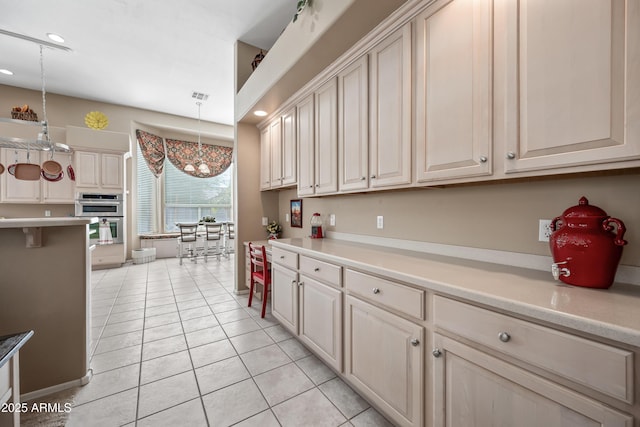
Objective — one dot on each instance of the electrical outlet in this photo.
(332, 220)
(544, 230)
(380, 222)
(265, 220)
(47, 213)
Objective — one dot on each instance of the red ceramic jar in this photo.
(586, 247)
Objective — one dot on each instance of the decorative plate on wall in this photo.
(96, 120)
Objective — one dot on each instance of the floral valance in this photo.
(152, 147)
(217, 157)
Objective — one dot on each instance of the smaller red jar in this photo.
(586, 247)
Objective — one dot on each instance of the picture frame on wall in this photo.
(296, 213)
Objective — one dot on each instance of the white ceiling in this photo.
(150, 54)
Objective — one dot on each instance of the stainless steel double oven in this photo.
(107, 207)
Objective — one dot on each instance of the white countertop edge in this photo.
(584, 324)
(624, 274)
(46, 222)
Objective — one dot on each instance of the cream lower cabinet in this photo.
(384, 352)
(284, 288)
(474, 386)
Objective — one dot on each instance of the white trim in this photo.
(56, 388)
(625, 273)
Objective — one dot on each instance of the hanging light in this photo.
(203, 168)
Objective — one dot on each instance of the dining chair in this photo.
(187, 241)
(213, 239)
(230, 238)
(260, 273)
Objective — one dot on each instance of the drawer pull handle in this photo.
(415, 342)
(436, 352)
(316, 269)
(504, 336)
(376, 290)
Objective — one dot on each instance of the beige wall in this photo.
(501, 216)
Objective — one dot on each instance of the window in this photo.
(183, 198)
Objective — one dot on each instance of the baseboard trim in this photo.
(625, 273)
(57, 388)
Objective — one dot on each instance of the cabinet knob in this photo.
(317, 185)
(363, 178)
(436, 352)
(483, 159)
(415, 342)
(373, 177)
(504, 336)
(300, 283)
(316, 269)
(511, 155)
(376, 290)
(281, 256)
(293, 282)
(311, 186)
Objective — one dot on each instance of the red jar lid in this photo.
(583, 209)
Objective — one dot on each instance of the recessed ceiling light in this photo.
(5, 71)
(55, 37)
(260, 113)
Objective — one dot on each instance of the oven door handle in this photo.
(98, 202)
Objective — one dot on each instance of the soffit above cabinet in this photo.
(330, 29)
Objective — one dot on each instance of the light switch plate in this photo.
(380, 222)
(286, 217)
(265, 220)
(332, 220)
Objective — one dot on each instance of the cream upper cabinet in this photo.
(38, 191)
(289, 149)
(353, 126)
(99, 171)
(265, 158)
(572, 82)
(275, 144)
(390, 110)
(454, 90)
(305, 132)
(326, 138)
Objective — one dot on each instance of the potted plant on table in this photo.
(274, 229)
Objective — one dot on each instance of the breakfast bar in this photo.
(45, 287)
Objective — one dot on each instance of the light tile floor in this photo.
(174, 346)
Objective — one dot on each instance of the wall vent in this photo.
(200, 96)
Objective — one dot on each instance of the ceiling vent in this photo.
(200, 96)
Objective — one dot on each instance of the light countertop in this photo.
(45, 222)
(609, 313)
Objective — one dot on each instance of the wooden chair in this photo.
(213, 239)
(187, 241)
(260, 273)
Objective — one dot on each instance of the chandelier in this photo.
(203, 168)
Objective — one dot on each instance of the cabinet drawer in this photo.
(393, 295)
(328, 273)
(285, 258)
(601, 367)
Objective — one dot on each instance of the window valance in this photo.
(155, 150)
(217, 157)
(152, 147)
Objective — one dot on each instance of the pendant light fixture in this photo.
(203, 168)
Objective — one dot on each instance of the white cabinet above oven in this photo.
(100, 172)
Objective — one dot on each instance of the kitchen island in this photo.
(45, 282)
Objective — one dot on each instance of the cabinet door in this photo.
(62, 191)
(384, 360)
(17, 190)
(87, 169)
(453, 105)
(265, 158)
(353, 127)
(284, 297)
(289, 153)
(326, 147)
(112, 171)
(390, 111)
(275, 138)
(472, 388)
(321, 320)
(573, 82)
(305, 131)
